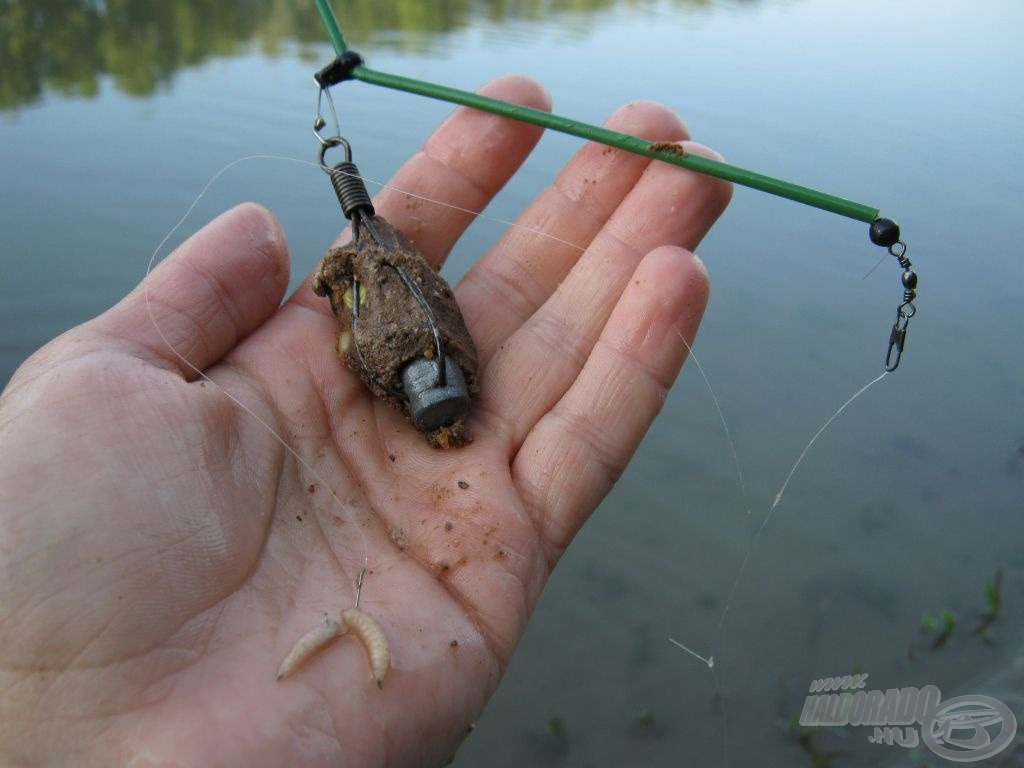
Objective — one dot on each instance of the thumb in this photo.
(209, 294)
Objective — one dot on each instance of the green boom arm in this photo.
(623, 141)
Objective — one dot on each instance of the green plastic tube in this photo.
(716, 168)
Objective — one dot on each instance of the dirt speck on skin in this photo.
(439, 495)
(443, 568)
(454, 644)
(312, 488)
(669, 147)
(299, 518)
(392, 457)
(463, 484)
(397, 535)
(448, 526)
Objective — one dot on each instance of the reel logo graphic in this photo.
(962, 729)
(958, 729)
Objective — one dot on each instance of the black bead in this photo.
(910, 279)
(885, 232)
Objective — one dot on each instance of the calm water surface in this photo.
(113, 116)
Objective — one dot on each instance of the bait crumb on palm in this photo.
(455, 435)
(353, 620)
(669, 147)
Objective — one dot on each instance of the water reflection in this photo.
(67, 46)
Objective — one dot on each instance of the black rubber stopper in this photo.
(885, 232)
(338, 70)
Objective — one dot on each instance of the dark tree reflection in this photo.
(67, 46)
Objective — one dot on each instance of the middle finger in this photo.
(522, 271)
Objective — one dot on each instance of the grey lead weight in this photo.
(431, 406)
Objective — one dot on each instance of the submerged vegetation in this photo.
(807, 738)
(945, 625)
(948, 622)
(993, 602)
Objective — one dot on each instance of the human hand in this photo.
(160, 550)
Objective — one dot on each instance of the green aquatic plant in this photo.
(994, 604)
(945, 625)
(645, 719)
(948, 622)
(555, 727)
(645, 725)
(928, 624)
(806, 737)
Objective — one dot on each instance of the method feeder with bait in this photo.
(400, 328)
(431, 381)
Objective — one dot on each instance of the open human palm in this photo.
(161, 550)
